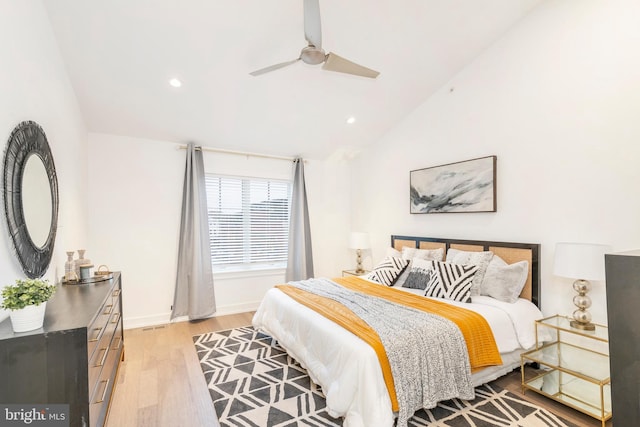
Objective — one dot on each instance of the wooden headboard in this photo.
(510, 252)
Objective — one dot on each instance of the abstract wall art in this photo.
(467, 186)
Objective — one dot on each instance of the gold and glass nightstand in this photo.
(353, 273)
(574, 366)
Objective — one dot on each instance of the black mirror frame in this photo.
(26, 139)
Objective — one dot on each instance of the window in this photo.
(248, 222)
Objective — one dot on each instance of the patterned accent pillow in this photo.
(419, 274)
(411, 254)
(451, 281)
(388, 271)
(481, 259)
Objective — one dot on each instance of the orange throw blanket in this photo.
(480, 342)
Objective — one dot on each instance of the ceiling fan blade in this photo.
(312, 28)
(341, 65)
(273, 67)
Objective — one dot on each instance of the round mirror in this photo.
(36, 200)
(30, 189)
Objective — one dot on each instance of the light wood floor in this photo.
(160, 383)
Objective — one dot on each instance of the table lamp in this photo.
(359, 241)
(583, 262)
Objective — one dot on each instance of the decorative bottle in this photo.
(69, 267)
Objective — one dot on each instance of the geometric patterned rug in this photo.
(254, 382)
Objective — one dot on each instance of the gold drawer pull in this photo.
(116, 318)
(104, 357)
(116, 293)
(104, 392)
(116, 347)
(108, 309)
(97, 334)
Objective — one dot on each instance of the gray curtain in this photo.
(300, 260)
(194, 296)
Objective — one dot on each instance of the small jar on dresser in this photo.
(74, 358)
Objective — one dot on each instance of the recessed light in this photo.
(175, 82)
(351, 120)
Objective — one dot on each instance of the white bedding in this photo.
(347, 368)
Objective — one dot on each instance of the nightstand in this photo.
(353, 273)
(574, 367)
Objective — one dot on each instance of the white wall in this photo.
(130, 199)
(558, 101)
(34, 86)
(135, 203)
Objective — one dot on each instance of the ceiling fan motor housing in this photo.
(312, 55)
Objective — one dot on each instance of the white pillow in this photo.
(505, 282)
(496, 261)
(428, 254)
(481, 259)
(393, 253)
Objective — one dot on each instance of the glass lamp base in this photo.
(359, 268)
(582, 326)
(581, 317)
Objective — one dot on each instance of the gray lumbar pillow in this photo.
(505, 282)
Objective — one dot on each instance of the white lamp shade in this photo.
(358, 240)
(580, 260)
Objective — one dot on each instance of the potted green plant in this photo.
(27, 302)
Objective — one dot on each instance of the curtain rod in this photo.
(239, 153)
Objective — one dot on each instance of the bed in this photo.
(348, 368)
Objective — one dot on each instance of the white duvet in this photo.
(347, 368)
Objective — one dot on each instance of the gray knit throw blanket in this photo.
(427, 353)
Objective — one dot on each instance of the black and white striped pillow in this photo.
(451, 281)
(388, 271)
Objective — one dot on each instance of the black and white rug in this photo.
(254, 382)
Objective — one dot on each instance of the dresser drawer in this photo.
(97, 328)
(99, 358)
(99, 402)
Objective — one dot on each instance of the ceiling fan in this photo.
(313, 54)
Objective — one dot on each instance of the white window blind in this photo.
(248, 222)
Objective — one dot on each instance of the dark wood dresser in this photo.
(73, 358)
(623, 312)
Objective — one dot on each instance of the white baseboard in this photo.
(144, 321)
(164, 318)
(237, 308)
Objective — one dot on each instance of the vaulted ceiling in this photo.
(121, 54)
